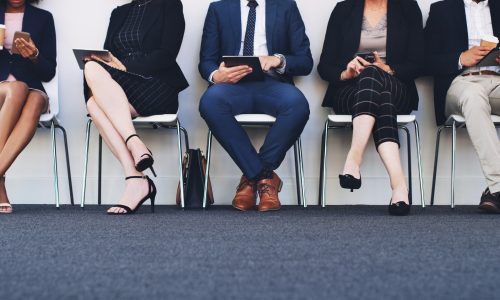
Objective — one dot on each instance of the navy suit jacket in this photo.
(285, 33)
(40, 24)
(446, 38)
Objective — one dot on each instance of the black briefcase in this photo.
(193, 171)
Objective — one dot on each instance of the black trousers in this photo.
(376, 93)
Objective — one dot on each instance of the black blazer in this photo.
(161, 36)
(40, 24)
(446, 38)
(405, 44)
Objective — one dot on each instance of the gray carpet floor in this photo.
(340, 252)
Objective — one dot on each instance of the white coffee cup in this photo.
(489, 41)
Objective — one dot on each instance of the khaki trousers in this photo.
(476, 97)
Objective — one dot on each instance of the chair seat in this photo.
(347, 119)
(459, 119)
(255, 119)
(164, 119)
(46, 117)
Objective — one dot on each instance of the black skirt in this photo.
(148, 95)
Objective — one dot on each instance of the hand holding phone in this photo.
(22, 41)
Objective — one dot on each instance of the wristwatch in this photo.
(282, 60)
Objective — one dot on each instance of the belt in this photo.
(485, 72)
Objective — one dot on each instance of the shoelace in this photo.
(266, 189)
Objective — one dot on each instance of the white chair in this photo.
(168, 121)
(345, 121)
(453, 122)
(50, 121)
(262, 120)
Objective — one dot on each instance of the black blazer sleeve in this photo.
(169, 43)
(412, 66)
(45, 67)
(330, 65)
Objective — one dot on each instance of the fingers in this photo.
(362, 61)
(96, 58)
(377, 57)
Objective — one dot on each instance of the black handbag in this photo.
(193, 171)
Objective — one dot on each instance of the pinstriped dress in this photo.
(148, 95)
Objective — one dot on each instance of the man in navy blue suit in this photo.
(274, 31)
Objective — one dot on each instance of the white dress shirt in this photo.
(479, 25)
(260, 40)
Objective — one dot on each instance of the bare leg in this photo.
(362, 130)
(20, 135)
(13, 95)
(134, 189)
(389, 152)
(112, 101)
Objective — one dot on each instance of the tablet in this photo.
(251, 61)
(82, 54)
(490, 60)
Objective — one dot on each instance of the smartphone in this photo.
(368, 56)
(20, 35)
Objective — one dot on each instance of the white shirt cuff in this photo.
(460, 67)
(210, 78)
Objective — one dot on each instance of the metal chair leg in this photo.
(186, 137)
(453, 151)
(419, 162)
(54, 157)
(207, 171)
(436, 158)
(408, 144)
(297, 172)
(99, 173)
(86, 162)
(324, 166)
(68, 166)
(302, 174)
(179, 149)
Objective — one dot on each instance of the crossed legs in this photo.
(374, 102)
(19, 115)
(112, 115)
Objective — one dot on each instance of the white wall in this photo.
(83, 23)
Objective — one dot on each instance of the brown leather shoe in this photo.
(268, 192)
(246, 195)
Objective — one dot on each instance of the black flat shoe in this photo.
(151, 195)
(350, 182)
(490, 203)
(400, 208)
(146, 162)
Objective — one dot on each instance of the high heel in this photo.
(146, 162)
(350, 182)
(400, 208)
(7, 206)
(151, 195)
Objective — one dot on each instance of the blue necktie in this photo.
(250, 33)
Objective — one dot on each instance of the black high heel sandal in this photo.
(151, 195)
(145, 163)
(400, 208)
(350, 182)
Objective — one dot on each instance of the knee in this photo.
(17, 92)
(36, 104)
(298, 105)
(372, 72)
(472, 101)
(213, 98)
(91, 71)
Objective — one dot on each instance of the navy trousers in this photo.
(222, 102)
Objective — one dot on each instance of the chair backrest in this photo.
(52, 89)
